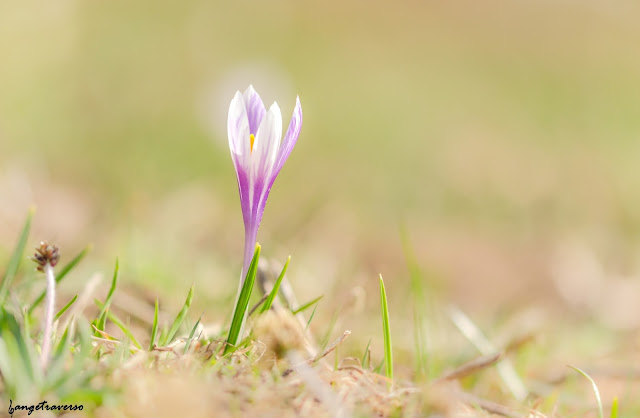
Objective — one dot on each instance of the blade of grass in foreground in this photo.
(327, 335)
(102, 318)
(276, 287)
(154, 329)
(243, 302)
(388, 355)
(378, 369)
(16, 257)
(193, 332)
(614, 407)
(307, 305)
(366, 354)
(179, 319)
(63, 310)
(313, 314)
(419, 301)
(595, 390)
(61, 274)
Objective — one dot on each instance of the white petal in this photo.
(238, 130)
(267, 142)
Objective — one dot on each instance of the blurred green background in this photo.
(497, 134)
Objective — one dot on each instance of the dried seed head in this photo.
(279, 331)
(46, 254)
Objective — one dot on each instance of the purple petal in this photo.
(255, 109)
(244, 187)
(290, 138)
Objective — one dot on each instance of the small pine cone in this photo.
(46, 254)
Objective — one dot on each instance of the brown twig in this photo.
(257, 305)
(489, 406)
(320, 356)
(105, 334)
(519, 342)
(114, 342)
(471, 367)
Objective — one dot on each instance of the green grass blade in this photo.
(61, 275)
(21, 353)
(102, 318)
(56, 369)
(276, 287)
(419, 300)
(388, 355)
(313, 313)
(243, 302)
(15, 373)
(7, 368)
(64, 340)
(307, 305)
(332, 324)
(63, 310)
(179, 319)
(84, 338)
(154, 329)
(193, 331)
(16, 258)
(366, 354)
(378, 369)
(595, 390)
(614, 408)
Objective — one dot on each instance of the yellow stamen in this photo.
(252, 138)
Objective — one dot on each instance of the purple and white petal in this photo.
(255, 108)
(290, 138)
(238, 131)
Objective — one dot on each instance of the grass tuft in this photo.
(118, 322)
(179, 319)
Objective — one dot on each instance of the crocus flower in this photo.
(258, 152)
